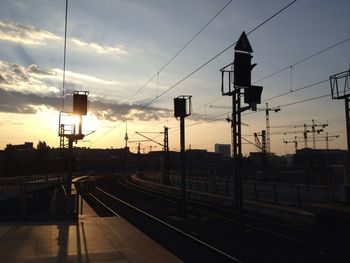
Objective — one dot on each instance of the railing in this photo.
(281, 193)
(6, 181)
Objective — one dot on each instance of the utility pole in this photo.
(267, 116)
(182, 109)
(165, 145)
(252, 95)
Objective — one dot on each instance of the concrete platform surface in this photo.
(91, 239)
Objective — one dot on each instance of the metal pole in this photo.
(81, 203)
(236, 114)
(70, 166)
(267, 120)
(347, 115)
(183, 167)
(166, 155)
(313, 134)
(139, 158)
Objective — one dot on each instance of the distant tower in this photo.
(126, 138)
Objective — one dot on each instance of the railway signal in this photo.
(241, 71)
(182, 109)
(71, 130)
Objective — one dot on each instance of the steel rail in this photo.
(169, 226)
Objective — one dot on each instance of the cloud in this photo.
(17, 102)
(32, 79)
(27, 35)
(29, 103)
(80, 78)
(26, 79)
(100, 49)
(29, 89)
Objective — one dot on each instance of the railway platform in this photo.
(89, 239)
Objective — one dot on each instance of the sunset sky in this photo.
(114, 47)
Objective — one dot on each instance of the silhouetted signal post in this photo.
(340, 87)
(71, 132)
(241, 71)
(182, 109)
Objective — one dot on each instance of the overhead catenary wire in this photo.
(177, 53)
(208, 61)
(303, 60)
(213, 58)
(219, 116)
(64, 55)
(215, 118)
(295, 90)
(292, 66)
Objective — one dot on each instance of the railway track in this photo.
(310, 245)
(319, 240)
(183, 245)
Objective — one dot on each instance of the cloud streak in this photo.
(26, 79)
(27, 35)
(29, 103)
(24, 35)
(32, 79)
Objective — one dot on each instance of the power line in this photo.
(302, 101)
(64, 54)
(292, 91)
(210, 60)
(216, 117)
(295, 90)
(254, 112)
(288, 67)
(178, 52)
(213, 58)
(303, 60)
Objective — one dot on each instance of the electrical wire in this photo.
(215, 118)
(208, 61)
(213, 58)
(292, 91)
(303, 60)
(64, 54)
(288, 67)
(177, 53)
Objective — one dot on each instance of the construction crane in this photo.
(267, 114)
(313, 126)
(305, 131)
(257, 141)
(326, 138)
(261, 146)
(267, 119)
(295, 141)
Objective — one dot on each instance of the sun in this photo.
(89, 123)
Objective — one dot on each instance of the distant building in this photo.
(21, 147)
(223, 149)
(309, 156)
